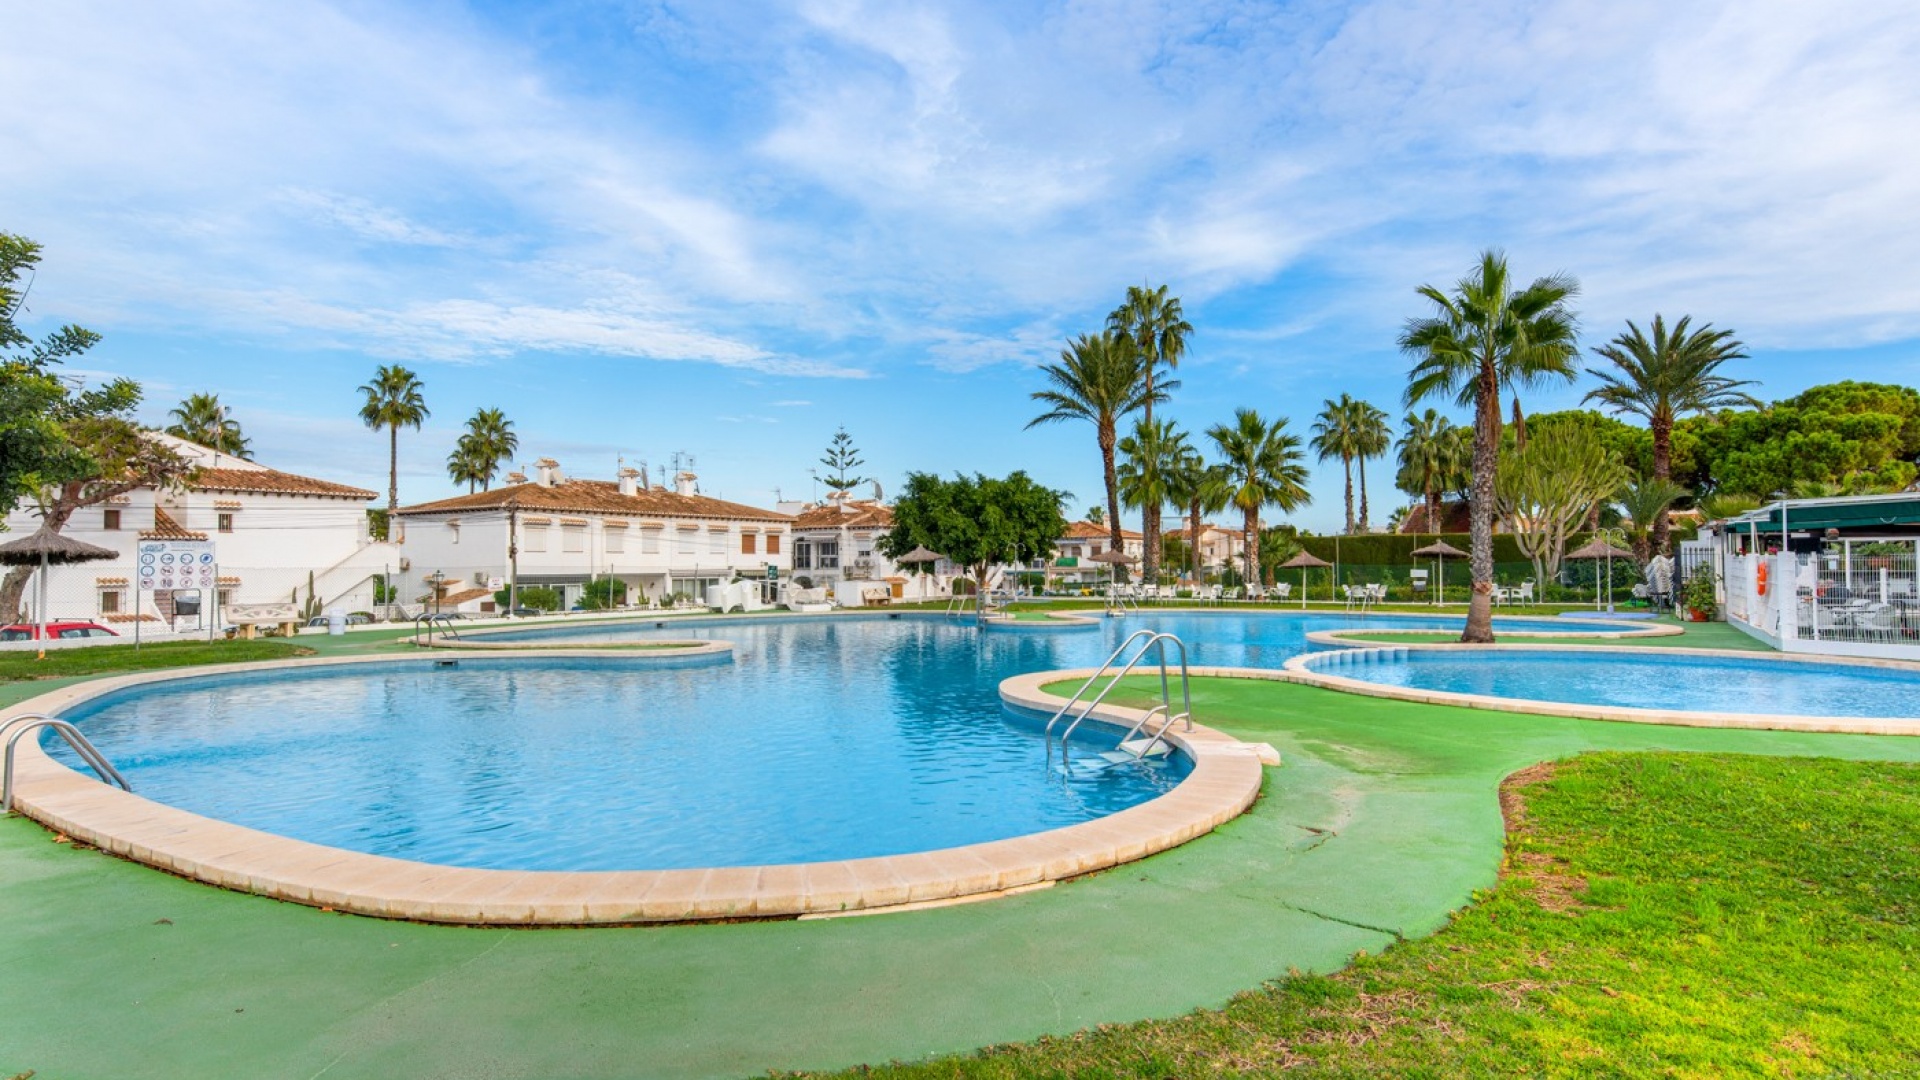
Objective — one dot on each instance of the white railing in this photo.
(1860, 602)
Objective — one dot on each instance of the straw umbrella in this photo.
(1439, 551)
(1114, 559)
(922, 556)
(46, 547)
(1598, 548)
(1303, 562)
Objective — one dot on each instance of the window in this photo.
(536, 538)
(573, 539)
(616, 539)
(773, 543)
(749, 544)
(829, 554)
(649, 541)
(683, 542)
(802, 553)
(717, 542)
(110, 521)
(109, 601)
(225, 522)
(453, 531)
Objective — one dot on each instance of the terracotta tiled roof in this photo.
(594, 497)
(273, 482)
(857, 515)
(127, 618)
(463, 596)
(165, 528)
(1087, 530)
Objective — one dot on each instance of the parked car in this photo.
(55, 630)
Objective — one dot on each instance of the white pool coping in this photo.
(1303, 669)
(1224, 782)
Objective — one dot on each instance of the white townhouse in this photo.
(559, 532)
(1220, 547)
(835, 542)
(273, 533)
(1073, 553)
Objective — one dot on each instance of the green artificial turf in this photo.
(1659, 915)
(116, 659)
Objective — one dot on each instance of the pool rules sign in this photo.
(170, 565)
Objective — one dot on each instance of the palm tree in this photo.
(468, 464)
(1663, 378)
(1333, 436)
(1371, 438)
(1159, 330)
(202, 419)
(1264, 465)
(393, 401)
(1646, 501)
(1480, 341)
(1148, 478)
(1201, 489)
(1429, 454)
(493, 443)
(1100, 378)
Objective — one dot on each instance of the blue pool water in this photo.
(820, 740)
(1656, 681)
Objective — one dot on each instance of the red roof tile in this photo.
(165, 528)
(273, 482)
(857, 515)
(594, 497)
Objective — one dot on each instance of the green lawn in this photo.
(116, 659)
(1658, 915)
(1697, 636)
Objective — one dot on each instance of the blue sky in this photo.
(726, 229)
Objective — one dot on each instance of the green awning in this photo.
(1855, 516)
(1066, 562)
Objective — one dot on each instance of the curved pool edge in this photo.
(1580, 628)
(1224, 782)
(1301, 669)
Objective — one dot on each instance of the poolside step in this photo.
(1137, 748)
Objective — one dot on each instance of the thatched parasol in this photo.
(920, 555)
(1304, 562)
(1439, 551)
(45, 547)
(1600, 548)
(1114, 559)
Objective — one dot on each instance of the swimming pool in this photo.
(833, 739)
(1645, 679)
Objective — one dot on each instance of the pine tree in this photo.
(842, 458)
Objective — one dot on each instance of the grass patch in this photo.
(117, 659)
(1659, 914)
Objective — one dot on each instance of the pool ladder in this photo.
(16, 728)
(428, 620)
(1133, 746)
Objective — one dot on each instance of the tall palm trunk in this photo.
(1150, 540)
(1362, 465)
(1193, 539)
(1486, 448)
(1657, 536)
(1107, 440)
(1433, 502)
(1251, 537)
(1346, 464)
(393, 469)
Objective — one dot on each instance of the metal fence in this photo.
(1855, 595)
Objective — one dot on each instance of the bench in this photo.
(249, 618)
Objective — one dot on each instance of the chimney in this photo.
(627, 481)
(686, 484)
(516, 477)
(546, 472)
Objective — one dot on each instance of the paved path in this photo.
(1383, 820)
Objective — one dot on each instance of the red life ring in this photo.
(1763, 579)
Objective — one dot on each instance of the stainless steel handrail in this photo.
(17, 727)
(1154, 640)
(1091, 679)
(428, 619)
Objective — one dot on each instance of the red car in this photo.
(31, 631)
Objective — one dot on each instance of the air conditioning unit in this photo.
(406, 564)
(480, 577)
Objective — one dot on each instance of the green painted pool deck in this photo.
(1383, 820)
(1696, 636)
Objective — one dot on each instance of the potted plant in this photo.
(1698, 595)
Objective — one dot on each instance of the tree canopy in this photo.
(976, 521)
